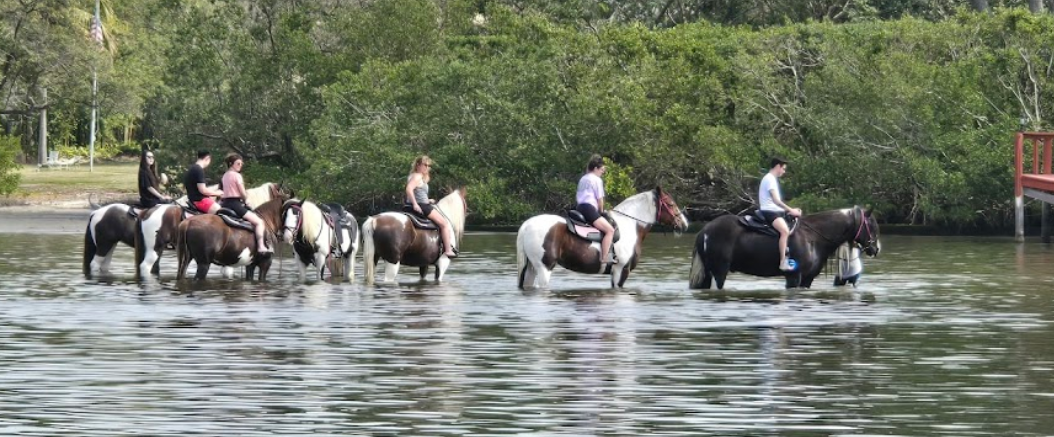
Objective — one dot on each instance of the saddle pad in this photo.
(421, 223)
(236, 222)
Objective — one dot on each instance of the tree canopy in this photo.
(907, 106)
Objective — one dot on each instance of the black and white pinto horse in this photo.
(117, 223)
(317, 236)
(726, 245)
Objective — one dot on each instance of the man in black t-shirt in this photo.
(198, 194)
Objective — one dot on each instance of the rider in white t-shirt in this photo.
(773, 208)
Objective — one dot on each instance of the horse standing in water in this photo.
(117, 223)
(544, 241)
(726, 245)
(157, 227)
(401, 238)
(317, 235)
(209, 239)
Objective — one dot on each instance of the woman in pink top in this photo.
(590, 199)
(233, 198)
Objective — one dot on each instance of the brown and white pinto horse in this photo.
(208, 239)
(157, 227)
(543, 241)
(117, 223)
(391, 236)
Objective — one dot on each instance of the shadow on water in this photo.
(945, 337)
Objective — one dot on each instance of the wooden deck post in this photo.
(1045, 223)
(1019, 192)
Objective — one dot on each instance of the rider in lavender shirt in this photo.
(590, 198)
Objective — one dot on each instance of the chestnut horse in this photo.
(117, 223)
(157, 227)
(724, 245)
(208, 239)
(392, 236)
(544, 241)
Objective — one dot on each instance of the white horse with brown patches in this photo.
(544, 241)
(395, 238)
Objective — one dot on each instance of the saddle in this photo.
(756, 223)
(421, 222)
(232, 220)
(577, 226)
(334, 214)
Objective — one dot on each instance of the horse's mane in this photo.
(640, 206)
(257, 196)
(453, 207)
(271, 212)
(312, 220)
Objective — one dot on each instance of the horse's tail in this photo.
(369, 264)
(182, 252)
(521, 258)
(90, 249)
(698, 273)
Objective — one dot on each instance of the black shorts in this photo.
(236, 205)
(426, 209)
(771, 216)
(588, 211)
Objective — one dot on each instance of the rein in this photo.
(660, 205)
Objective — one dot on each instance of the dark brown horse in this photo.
(208, 239)
(116, 223)
(544, 241)
(391, 236)
(157, 227)
(724, 245)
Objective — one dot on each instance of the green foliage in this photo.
(9, 175)
(903, 105)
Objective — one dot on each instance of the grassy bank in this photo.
(73, 185)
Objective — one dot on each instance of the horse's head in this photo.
(866, 235)
(292, 219)
(667, 211)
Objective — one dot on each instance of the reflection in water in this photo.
(945, 336)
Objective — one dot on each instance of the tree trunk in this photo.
(980, 5)
(1036, 6)
(42, 145)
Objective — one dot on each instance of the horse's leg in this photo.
(320, 263)
(623, 274)
(424, 272)
(527, 275)
(720, 272)
(203, 269)
(391, 270)
(106, 254)
(441, 267)
(227, 272)
(349, 266)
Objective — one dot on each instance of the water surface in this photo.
(944, 337)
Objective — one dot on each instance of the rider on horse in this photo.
(774, 209)
(149, 182)
(234, 196)
(199, 194)
(417, 202)
(590, 202)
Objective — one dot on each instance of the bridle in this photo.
(295, 230)
(864, 225)
(660, 206)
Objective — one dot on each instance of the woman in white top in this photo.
(773, 208)
(233, 198)
(590, 202)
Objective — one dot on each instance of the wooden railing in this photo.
(1041, 176)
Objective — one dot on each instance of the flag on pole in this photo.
(96, 28)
